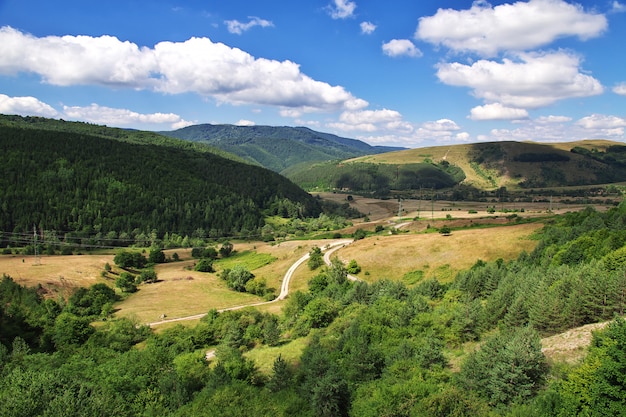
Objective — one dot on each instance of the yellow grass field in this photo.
(437, 256)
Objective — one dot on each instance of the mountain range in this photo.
(277, 148)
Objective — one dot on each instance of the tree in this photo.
(130, 259)
(316, 258)
(508, 367)
(353, 267)
(126, 283)
(237, 277)
(156, 256)
(445, 230)
(281, 375)
(359, 234)
(70, 330)
(204, 265)
(226, 249)
(147, 275)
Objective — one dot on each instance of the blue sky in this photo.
(400, 73)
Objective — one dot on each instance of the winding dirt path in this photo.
(284, 288)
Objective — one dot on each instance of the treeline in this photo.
(86, 185)
(370, 349)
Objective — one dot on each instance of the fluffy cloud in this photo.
(197, 65)
(367, 28)
(122, 117)
(401, 47)
(368, 120)
(620, 89)
(533, 80)
(71, 60)
(600, 121)
(25, 106)
(560, 129)
(497, 111)
(388, 127)
(518, 26)
(342, 9)
(237, 27)
(244, 122)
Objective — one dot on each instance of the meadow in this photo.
(181, 291)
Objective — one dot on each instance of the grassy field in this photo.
(181, 291)
(435, 255)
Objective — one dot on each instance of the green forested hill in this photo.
(81, 181)
(518, 165)
(277, 148)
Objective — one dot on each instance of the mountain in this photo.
(482, 166)
(85, 179)
(277, 148)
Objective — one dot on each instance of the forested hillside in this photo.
(375, 179)
(84, 184)
(467, 348)
(516, 165)
(277, 148)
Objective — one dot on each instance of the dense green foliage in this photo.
(372, 349)
(377, 179)
(277, 148)
(83, 185)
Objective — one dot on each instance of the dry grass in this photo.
(570, 346)
(437, 256)
(58, 275)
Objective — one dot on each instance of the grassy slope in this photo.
(505, 172)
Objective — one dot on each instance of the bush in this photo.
(353, 267)
(204, 265)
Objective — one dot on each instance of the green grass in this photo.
(250, 259)
(265, 356)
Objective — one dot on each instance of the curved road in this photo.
(284, 288)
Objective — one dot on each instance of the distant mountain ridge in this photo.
(277, 147)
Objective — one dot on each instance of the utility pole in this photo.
(37, 259)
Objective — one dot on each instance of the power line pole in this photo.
(37, 259)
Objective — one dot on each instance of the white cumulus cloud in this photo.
(367, 28)
(601, 121)
(25, 106)
(122, 117)
(401, 47)
(496, 111)
(237, 27)
(520, 26)
(368, 120)
(197, 65)
(244, 122)
(532, 80)
(341, 9)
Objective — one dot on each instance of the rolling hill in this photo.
(87, 180)
(483, 166)
(277, 148)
